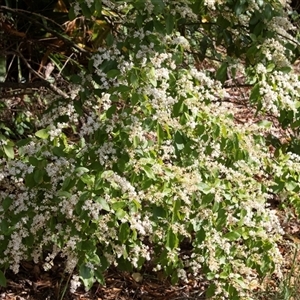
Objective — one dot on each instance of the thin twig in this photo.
(65, 63)
(46, 83)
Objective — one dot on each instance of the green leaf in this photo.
(111, 111)
(210, 291)
(109, 39)
(152, 77)
(179, 139)
(120, 213)
(29, 180)
(227, 39)
(87, 246)
(124, 264)
(6, 203)
(118, 204)
(88, 179)
(64, 194)
(139, 20)
(160, 133)
(158, 6)
(134, 79)
(233, 235)
(159, 212)
(113, 73)
(291, 185)
(38, 175)
(34, 161)
(268, 12)
(99, 276)
(28, 241)
(265, 124)
(135, 98)
(169, 23)
(204, 44)
(71, 13)
(23, 142)
(221, 74)
(149, 172)
(200, 235)
(103, 203)
(177, 108)
(98, 6)
(87, 276)
(81, 170)
(43, 134)
(255, 94)
(222, 22)
(176, 210)
(9, 151)
(174, 278)
(123, 88)
(124, 231)
(5, 228)
(285, 69)
(210, 275)
(59, 151)
(258, 30)
(204, 188)
(68, 183)
(76, 79)
(3, 281)
(85, 10)
(295, 124)
(172, 239)
(251, 54)
(221, 220)
(240, 8)
(78, 107)
(104, 264)
(271, 67)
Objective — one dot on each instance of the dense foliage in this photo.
(136, 158)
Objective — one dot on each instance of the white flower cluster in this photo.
(120, 182)
(253, 6)
(261, 69)
(90, 126)
(59, 109)
(181, 41)
(212, 4)
(275, 52)
(283, 26)
(279, 91)
(190, 167)
(75, 283)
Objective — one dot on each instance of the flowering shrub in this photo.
(145, 158)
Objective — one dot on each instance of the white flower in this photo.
(181, 41)
(75, 283)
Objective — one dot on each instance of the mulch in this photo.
(33, 283)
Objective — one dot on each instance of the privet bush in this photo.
(145, 158)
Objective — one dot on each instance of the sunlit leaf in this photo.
(172, 239)
(43, 133)
(149, 172)
(87, 276)
(233, 235)
(9, 151)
